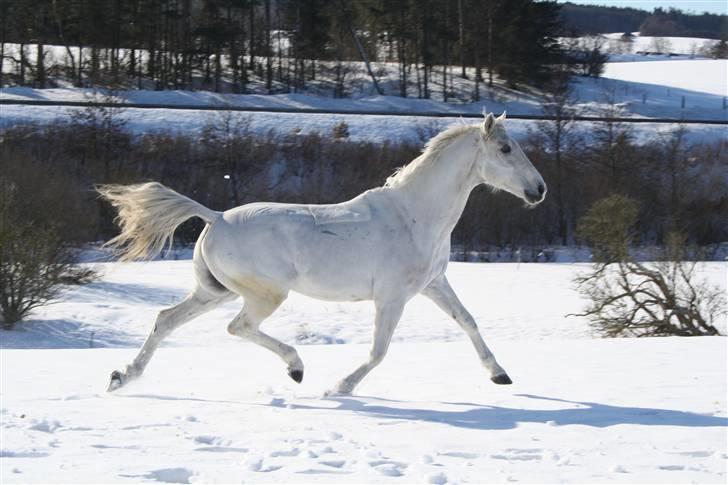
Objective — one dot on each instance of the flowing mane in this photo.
(430, 153)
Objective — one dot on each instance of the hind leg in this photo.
(200, 301)
(259, 306)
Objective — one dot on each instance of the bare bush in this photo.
(34, 262)
(631, 298)
(678, 183)
(340, 131)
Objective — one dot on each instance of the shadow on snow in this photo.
(478, 416)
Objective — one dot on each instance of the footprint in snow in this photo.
(257, 465)
(222, 449)
(696, 454)
(460, 454)
(519, 454)
(22, 454)
(438, 478)
(333, 463)
(170, 475)
(207, 440)
(389, 468)
(292, 452)
(46, 426)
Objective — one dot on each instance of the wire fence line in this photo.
(333, 111)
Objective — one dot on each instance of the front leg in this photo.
(386, 320)
(440, 292)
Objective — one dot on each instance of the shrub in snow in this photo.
(34, 261)
(631, 298)
(340, 131)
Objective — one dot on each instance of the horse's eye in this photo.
(506, 148)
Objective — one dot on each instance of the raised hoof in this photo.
(296, 375)
(501, 379)
(116, 381)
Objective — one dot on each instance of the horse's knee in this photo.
(163, 325)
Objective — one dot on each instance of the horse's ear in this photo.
(502, 117)
(488, 123)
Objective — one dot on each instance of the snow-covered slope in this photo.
(700, 76)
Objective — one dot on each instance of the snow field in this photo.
(213, 408)
(701, 76)
(622, 410)
(509, 301)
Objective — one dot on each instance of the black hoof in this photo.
(115, 381)
(501, 379)
(296, 375)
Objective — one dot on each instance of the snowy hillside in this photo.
(700, 76)
(639, 97)
(212, 408)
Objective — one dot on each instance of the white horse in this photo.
(386, 245)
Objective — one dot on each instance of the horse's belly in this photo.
(335, 271)
(333, 285)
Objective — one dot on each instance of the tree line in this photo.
(221, 45)
(597, 19)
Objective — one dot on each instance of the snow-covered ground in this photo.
(643, 89)
(580, 411)
(212, 408)
(118, 310)
(372, 128)
(706, 76)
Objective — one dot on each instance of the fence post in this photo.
(682, 103)
(644, 98)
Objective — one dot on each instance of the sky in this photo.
(698, 6)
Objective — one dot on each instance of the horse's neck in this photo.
(436, 195)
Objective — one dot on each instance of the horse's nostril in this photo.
(541, 189)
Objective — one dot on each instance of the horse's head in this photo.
(505, 166)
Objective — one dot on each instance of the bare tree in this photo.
(632, 298)
(558, 137)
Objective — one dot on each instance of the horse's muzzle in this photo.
(534, 197)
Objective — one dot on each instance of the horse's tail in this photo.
(148, 216)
